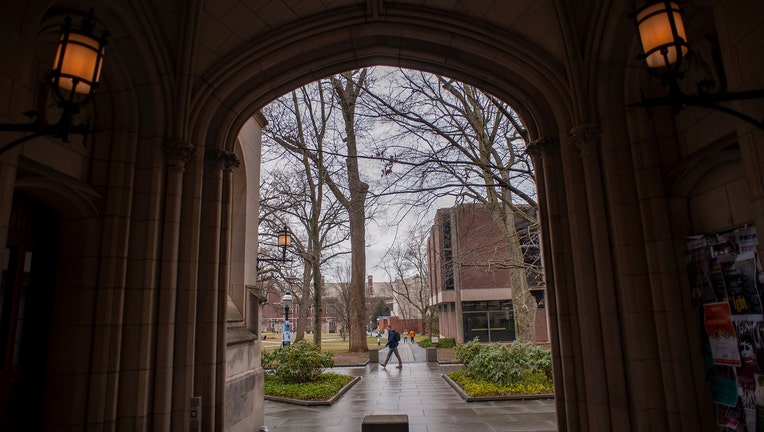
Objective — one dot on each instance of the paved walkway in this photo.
(419, 390)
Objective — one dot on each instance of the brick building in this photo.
(468, 284)
(333, 302)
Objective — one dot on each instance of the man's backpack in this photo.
(396, 337)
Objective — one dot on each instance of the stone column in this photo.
(562, 307)
(660, 325)
(229, 162)
(176, 155)
(587, 353)
(586, 138)
(184, 358)
(205, 371)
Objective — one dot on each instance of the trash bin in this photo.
(373, 356)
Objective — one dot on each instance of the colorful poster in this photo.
(721, 334)
(727, 417)
(722, 382)
(698, 261)
(739, 273)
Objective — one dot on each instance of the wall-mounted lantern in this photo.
(664, 45)
(74, 79)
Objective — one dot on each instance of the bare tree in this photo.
(351, 191)
(348, 87)
(469, 145)
(302, 119)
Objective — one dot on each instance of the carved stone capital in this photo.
(224, 160)
(176, 154)
(586, 138)
(540, 147)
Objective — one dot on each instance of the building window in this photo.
(489, 321)
(448, 255)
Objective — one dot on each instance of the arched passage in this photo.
(184, 79)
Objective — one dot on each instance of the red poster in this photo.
(721, 334)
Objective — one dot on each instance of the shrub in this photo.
(447, 343)
(505, 365)
(442, 343)
(297, 363)
(425, 343)
(325, 387)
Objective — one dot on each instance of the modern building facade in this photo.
(469, 277)
(138, 238)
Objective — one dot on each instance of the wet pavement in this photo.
(418, 390)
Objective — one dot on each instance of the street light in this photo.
(284, 239)
(661, 30)
(286, 300)
(74, 79)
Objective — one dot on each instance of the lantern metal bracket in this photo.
(661, 30)
(678, 100)
(61, 129)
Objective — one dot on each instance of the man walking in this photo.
(393, 337)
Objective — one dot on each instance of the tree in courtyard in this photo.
(295, 188)
(471, 146)
(350, 191)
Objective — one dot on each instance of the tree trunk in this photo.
(357, 322)
(347, 94)
(523, 302)
(317, 308)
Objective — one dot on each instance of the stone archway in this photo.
(252, 76)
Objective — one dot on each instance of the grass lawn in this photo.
(330, 342)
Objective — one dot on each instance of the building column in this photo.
(659, 322)
(565, 332)
(176, 155)
(588, 357)
(586, 138)
(229, 162)
(205, 370)
(110, 268)
(185, 344)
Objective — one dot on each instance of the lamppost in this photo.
(286, 337)
(74, 79)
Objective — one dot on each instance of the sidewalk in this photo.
(418, 390)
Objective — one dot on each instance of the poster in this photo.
(722, 382)
(727, 283)
(721, 334)
(740, 274)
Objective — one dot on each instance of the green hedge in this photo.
(442, 343)
(297, 363)
(505, 365)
